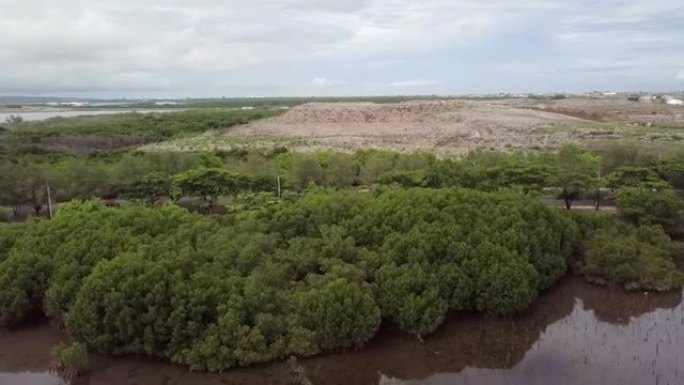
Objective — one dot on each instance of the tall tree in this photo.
(577, 171)
(207, 183)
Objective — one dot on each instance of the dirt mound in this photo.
(450, 126)
(616, 111)
(331, 113)
(459, 125)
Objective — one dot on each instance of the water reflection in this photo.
(30, 378)
(581, 350)
(575, 334)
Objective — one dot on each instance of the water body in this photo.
(33, 116)
(575, 334)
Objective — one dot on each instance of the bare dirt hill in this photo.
(413, 125)
(450, 126)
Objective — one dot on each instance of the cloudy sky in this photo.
(179, 48)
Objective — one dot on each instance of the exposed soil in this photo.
(613, 110)
(457, 126)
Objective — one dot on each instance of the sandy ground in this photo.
(451, 126)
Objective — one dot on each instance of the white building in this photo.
(673, 101)
(166, 103)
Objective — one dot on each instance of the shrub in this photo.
(341, 314)
(644, 205)
(634, 258)
(70, 360)
(5, 215)
(275, 279)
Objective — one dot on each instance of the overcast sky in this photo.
(195, 48)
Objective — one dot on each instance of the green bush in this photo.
(634, 258)
(645, 205)
(70, 360)
(5, 215)
(341, 314)
(276, 279)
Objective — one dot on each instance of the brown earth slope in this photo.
(414, 125)
(451, 126)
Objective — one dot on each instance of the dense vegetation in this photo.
(87, 134)
(570, 174)
(315, 250)
(295, 278)
(634, 258)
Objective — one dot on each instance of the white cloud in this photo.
(324, 82)
(233, 47)
(413, 83)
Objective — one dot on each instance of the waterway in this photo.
(33, 116)
(574, 334)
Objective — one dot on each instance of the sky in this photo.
(214, 48)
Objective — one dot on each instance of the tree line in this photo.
(106, 133)
(569, 174)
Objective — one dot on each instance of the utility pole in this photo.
(49, 202)
(598, 188)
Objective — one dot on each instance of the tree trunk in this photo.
(37, 208)
(598, 199)
(568, 203)
(15, 210)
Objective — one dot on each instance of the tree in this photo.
(529, 178)
(341, 314)
(635, 259)
(648, 205)
(273, 280)
(147, 188)
(576, 173)
(69, 360)
(14, 119)
(23, 183)
(341, 171)
(306, 170)
(12, 193)
(634, 176)
(33, 181)
(410, 295)
(374, 164)
(401, 178)
(506, 287)
(207, 183)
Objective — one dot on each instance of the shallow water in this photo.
(574, 334)
(32, 116)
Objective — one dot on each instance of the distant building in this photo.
(671, 100)
(166, 103)
(74, 104)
